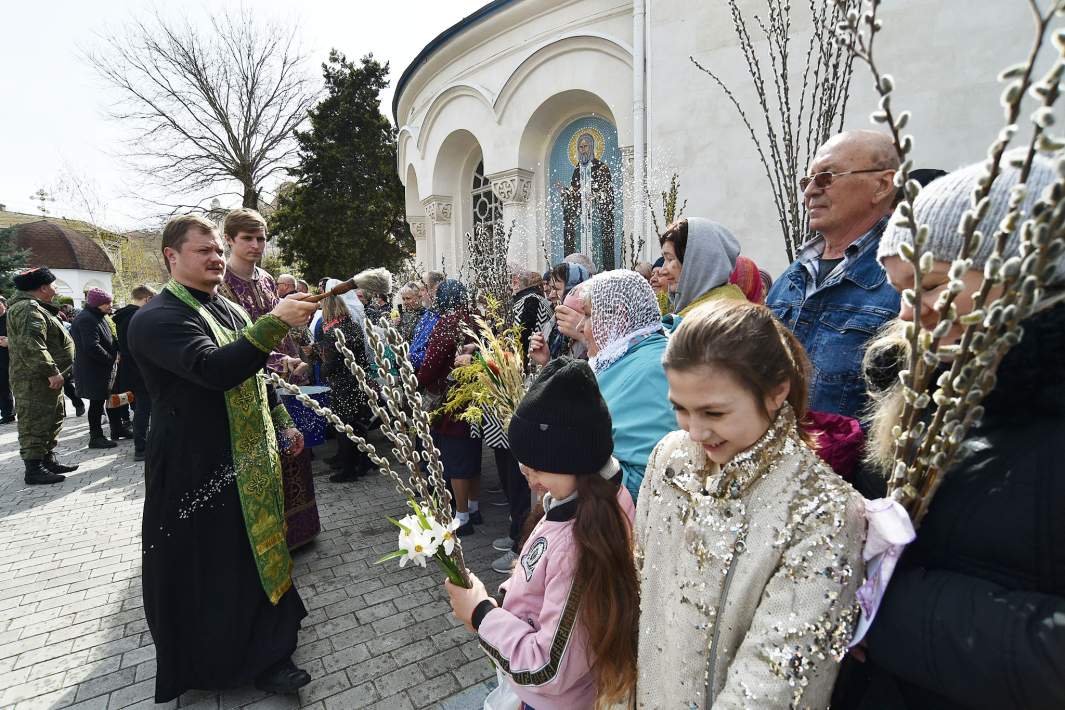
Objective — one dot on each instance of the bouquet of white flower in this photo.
(430, 531)
(422, 537)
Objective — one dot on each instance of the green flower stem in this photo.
(451, 569)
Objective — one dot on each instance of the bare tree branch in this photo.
(209, 106)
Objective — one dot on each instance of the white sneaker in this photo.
(503, 544)
(505, 564)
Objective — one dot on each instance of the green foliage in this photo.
(346, 211)
(12, 260)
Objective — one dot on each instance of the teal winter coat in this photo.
(637, 394)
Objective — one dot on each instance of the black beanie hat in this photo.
(33, 279)
(562, 425)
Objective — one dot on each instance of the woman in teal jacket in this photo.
(622, 328)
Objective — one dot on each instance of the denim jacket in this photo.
(836, 320)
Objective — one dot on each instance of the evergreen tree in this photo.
(346, 210)
(12, 260)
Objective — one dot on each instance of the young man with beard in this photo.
(218, 592)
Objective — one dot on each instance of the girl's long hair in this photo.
(609, 587)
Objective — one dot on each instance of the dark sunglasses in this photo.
(824, 179)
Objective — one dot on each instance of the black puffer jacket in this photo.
(975, 615)
(95, 350)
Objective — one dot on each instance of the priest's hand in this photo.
(295, 311)
(292, 441)
(464, 601)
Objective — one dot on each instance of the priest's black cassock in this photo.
(212, 622)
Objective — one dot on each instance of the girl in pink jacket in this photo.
(565, 633)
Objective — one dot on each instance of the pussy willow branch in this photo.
(415, 413)
(923, 453)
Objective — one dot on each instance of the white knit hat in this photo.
(942, 204)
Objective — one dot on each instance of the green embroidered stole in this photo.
(256, 459)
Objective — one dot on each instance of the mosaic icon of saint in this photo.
(588, 205)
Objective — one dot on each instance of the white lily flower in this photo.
(445, 534)
(416, 546)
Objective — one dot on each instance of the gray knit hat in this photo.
(942, 204)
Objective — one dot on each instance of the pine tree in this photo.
(12, 260)
(346, 210)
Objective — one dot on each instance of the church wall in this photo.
(499, 81)
(943, 54)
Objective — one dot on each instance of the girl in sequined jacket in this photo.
(748, 547)
(564, 636)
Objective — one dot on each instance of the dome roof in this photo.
(59, 247)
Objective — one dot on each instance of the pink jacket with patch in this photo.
(536, 637)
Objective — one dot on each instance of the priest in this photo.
(218, 593)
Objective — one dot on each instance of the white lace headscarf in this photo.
(356, 311)
(624, 312)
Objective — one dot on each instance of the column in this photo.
(438, 227)
(421, 244)
(512, 188)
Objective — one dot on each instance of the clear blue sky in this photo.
(54, 117)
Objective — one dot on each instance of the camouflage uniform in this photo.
(39, 347)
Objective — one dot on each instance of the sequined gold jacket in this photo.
(748, 575)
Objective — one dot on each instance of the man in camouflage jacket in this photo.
(41, 354)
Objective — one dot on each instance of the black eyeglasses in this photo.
(824, 179)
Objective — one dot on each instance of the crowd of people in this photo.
(687, 478)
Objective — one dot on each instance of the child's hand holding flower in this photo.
(464, 601)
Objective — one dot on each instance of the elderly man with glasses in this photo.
(835, 295)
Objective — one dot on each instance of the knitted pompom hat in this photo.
(942, 204)
(377, 281)
(562, 424)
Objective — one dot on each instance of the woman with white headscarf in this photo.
(623, 332)
(345, 314)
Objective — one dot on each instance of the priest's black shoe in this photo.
(36, 475)
(282, 677)
(79, 409)
(52, 465)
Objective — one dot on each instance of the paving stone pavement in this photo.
(72, 628)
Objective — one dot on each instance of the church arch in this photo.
(589, 43)
(475, 104)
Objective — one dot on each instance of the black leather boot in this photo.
(97, 440)
(52, 465)
(120, 430)
(36, 475)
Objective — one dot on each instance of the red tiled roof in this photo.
(59, 247)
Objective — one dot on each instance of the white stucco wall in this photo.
(502, 89)
(75, 282)
(944, 55)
